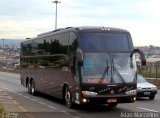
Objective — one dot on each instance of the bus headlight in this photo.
(84, 100)
(89, 93)
(131, 92)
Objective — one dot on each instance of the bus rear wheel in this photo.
(29, 88)
(33, 91)
(68, 98)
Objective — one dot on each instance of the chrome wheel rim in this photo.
(68, 98)
(32, 88)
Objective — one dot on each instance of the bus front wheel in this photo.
(68, 98)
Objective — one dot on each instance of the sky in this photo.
(20, 19)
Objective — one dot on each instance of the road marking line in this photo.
(14, 92)
(11, 90)
(27, 97)
(77, 117)
(65, 112)
(15, 102)
(147, 109)
(22, 109)
(19, 94)
(52, 107)
(42, 103)
(34, 99)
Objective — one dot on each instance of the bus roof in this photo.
(82, 29)
(95, 28)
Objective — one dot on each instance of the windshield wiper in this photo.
(117, 72)
(105, 72)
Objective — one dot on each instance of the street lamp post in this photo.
(56, 2)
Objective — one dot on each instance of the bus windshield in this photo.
(96, 68)
(108, 68)
(124, 67)
(105, 41)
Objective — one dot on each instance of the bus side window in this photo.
(73, 44)
(64, 43)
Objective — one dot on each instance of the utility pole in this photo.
(56, 2)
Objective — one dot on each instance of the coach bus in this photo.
(82, 65)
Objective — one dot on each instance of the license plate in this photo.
(147, 93)
(112, 100)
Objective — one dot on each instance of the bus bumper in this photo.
(106, 100)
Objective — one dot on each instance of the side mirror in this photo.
(80, 57)
(143, 59)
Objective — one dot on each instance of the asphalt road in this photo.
(23, 105)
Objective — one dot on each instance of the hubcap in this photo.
(32, 88)
(68, 98)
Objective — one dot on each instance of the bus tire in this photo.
(33, 91)
(68, 98)
(29, 88)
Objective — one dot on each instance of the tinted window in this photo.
(105, 41)
(63, 43)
